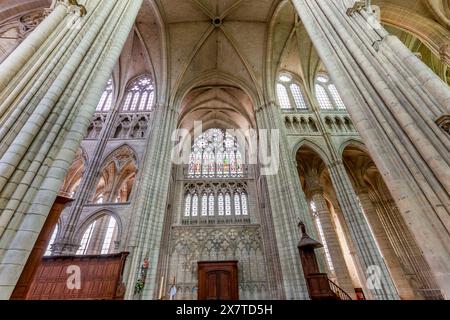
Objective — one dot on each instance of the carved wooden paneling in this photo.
(100, 278)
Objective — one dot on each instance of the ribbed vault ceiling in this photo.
(227, 37)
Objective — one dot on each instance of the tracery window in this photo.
(244, 204)
(112, 224)
(237, 204)
(290, 94)
(227, 204)
(48, 252)
(221, 204)
(87, 237)
(140, 96)
(187, 206)
(322, 236)
(106, 100)
(230, 200)
(204, 205)
(211, 205)
(195, 205)
(99, 237)
(327, 94)
(215, 153)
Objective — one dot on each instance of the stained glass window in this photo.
(112, 224)
(204, 205)
(221, 205)
(298, 97)
(105, 102)
(337, 98)
(323, 98)
(85, 241)
(232, 201)
(283, 97)
(215, 154)
(244, 204)
(237, 204)
(187, 206)
(327, 94)
(140, 95)
(211, 205)
(195, 205)
(289, 93)
(228, 204)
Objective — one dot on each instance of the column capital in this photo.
(73, 7)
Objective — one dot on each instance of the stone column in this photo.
(151, 203)
(411, 258)
(27, 49)
(46, 107)
(289, 206)
(337, 257)
(370, 260)
(394, 100)
(404, 289)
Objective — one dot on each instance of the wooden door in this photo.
(218, 280)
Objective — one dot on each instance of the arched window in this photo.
(215, 153)
(227, 204)
(195, 205)
(244, 204)
(204, 205)
(211, 210)
(87, 237)
(327, 94)
(187, 205)
(289, 93)
(105, 102)
(48, 252)
(107, 242)
(322, 236)
(221, 204)
(99, 237)
(140, 95)
(237, 204)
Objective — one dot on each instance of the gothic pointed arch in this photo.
(117, 176)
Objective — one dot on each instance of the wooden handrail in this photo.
(338, 291)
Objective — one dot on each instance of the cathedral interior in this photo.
(225, 149)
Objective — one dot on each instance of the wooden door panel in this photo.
(218, 280)
(224, 285)
(211, 285)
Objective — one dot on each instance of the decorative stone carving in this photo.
(190, 245)
(132, 126)
(444, 123)
(96, 126)
(20, 26)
